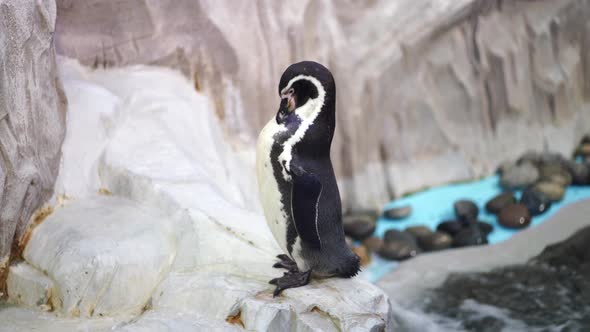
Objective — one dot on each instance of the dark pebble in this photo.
(466, 210)
(470, 236)
(394, 235)
(398, 245)
(398, 251)
(398, 212)
(373, 243)
(485, 227)
(583, 150)
(535, 201)
(580, 174)
(514, 216)
(359, 226)
(451, 227)
(435, 241)
(495, 204)
(419, 232)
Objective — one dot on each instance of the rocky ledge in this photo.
(156, 225)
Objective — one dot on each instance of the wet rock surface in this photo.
(373, 243)
(465, 210)
(471, 235)
(398, 212)
(552, 290)
(535, 201)
(398, 245)
(496, 204)
(358, 226)
(485, 227)
(580, 173)
(514, 216)
(435, 241)
(419, 232)
(451, 227)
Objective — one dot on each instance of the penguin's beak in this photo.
(283, 110)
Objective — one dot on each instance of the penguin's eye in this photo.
(291, 91)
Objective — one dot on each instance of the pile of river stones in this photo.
(541, 177)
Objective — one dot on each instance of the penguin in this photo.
(296, 180)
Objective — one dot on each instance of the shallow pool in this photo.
(434, 205)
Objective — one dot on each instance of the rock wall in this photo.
(428, 92)
(32, 117)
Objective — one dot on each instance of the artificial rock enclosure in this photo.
(150, 221)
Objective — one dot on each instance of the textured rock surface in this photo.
(427, 93)
(200, 256)
(406, 284)
(29, 286)
(105, 255)
(32, 113)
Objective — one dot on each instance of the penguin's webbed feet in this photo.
(290, 280)
(286, 263)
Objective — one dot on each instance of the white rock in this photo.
(26, 319)
(174, 321)
(29, 286)
(105, 255)
(82, 146)
(201, 255)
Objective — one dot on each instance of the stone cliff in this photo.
(428, 92)
(32, 119)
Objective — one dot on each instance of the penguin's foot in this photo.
(290, 280)
(286, 263)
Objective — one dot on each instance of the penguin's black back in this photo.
(312, 154)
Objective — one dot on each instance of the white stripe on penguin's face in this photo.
(307, 112)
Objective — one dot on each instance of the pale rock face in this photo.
(29, 286)
(32, 117)
(175, 242)
(428, 92)
(105, 255)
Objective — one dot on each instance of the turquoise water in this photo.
(434, 205)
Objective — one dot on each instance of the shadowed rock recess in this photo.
(428, 92)
(32, 119)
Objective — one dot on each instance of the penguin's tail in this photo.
(351, 265)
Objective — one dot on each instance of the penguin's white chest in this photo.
(270, 195)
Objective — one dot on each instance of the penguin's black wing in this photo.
(305, 196)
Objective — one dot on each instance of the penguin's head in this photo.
(306, 89)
